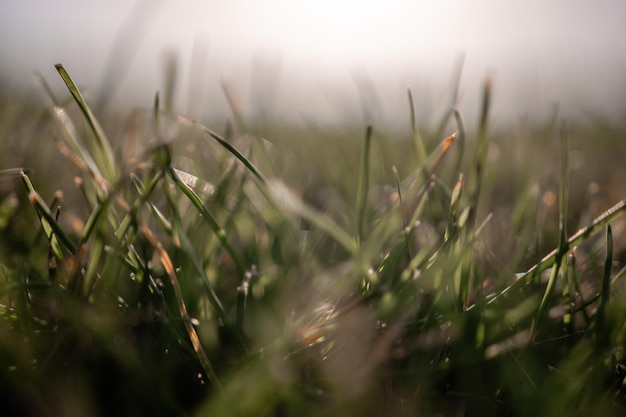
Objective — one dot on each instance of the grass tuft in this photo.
(230, 274)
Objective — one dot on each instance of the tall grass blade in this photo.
(418, 142)
(481, 151)
(190, 252)
(102, 142)
(455, 82)
(460, 125)
(363, 187)
(602, 325)
(563, 246)
(168, 266)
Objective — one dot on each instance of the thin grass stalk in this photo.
(144, 194)
(480, 156)
(569, 288)
(189, 251)
(405, 226)
(563, 247)
(460, 126)
(583, 234)
(168, 266)
(591, 300)
(145, 191)
(418, 142)
(602, 325)
(363, 187)
(13, 172)
(455, 81)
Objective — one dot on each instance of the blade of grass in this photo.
(230, 148)
(187, 246)
(210, 219)
(602, 326)
(363, 187)
(418, 142)
(454, 96)
(481, 152)
(563, 247)
(51, 227)
(460, 125)
(583, 234)
(144, 193)
(102, 141)
(94, 266)
(168, 266)
(13, 172)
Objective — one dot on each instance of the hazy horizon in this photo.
(326, 62)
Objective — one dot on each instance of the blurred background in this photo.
(327, 62)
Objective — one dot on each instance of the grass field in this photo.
(156, 266)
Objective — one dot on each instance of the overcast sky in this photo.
(321, 60)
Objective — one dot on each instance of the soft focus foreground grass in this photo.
(155, 267)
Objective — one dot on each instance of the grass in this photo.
(178, 271)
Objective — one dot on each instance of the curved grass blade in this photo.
(230, 148)
(51, 227)
(101, 139)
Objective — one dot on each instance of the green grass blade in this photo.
(210, 219)
(583, 234)
(190, 252)
(224, 143)
(602, 326)
(102, 142)
(481, 152)
(563, 246)
(363, 187)
(168, 266)
(460, 125)
(54, 232)
(455, 82)
(418, 142)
